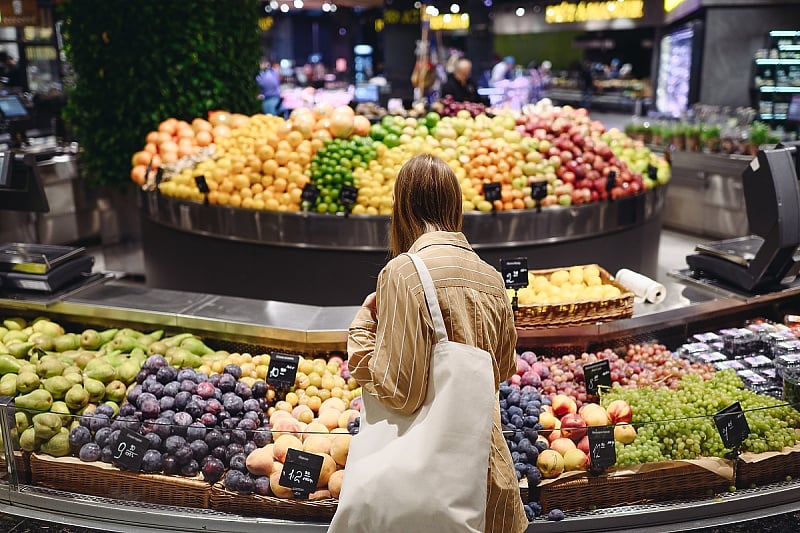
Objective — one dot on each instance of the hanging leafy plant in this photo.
(137, 63)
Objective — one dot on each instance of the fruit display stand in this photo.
(308, 329)
(271, 247)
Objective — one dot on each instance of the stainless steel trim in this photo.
(369, 233)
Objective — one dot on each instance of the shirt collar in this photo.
(432, 238)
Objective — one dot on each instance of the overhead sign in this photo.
(19, 13)
(591, 11)
(669, 5)
(450, 22)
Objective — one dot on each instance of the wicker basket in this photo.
(23, 465)
(100, 479)
(769, 467)
(652, 482)
(269, 506)
(576, 313)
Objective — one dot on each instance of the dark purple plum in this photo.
(166, 374)
(251, 406)
(183, 455)
(113, 439)
(144, 396)
(126, 422)
(196, 431)
(206, 390)
(263, 403)
(253, 416)
(262, 437)
(101, 436)
(246, 485)
(214, 406)
(154, 362)
(170, 465)
(78, 436)
(162, 427)
(90, 452)
(190, 469)
(150, 408)
(233, 370)
(200, 450)
(223, 415)
(187, 385)
(185, 373)
(261, 486)
(214, 379)
(99, 422)
(141, 376)
(104, 409)
(239, 436)
(172, 388)
(228, 424)
(154, 387)
(243, 390)
(166, 403)
(182, 399)
(231, 450)
(247, 424)
(107, 454)
(168, 415)
(238, 462)
(151, 462)
(213, 469)
(249, 447)
(232, 479)
(154, 440)
(194, 409)
(181, 422)
(201, 377)
(174, 442)
(219, 452)
(227, 383)
(208, 420)
(259, 389)
(214, 438)
(127, 409)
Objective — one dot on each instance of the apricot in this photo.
(335, 483)
(282, 445)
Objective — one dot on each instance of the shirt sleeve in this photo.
(392, 360)
(506, 356)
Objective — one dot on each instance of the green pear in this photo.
(127, 371)
(27, 440)
(158, 347)
(49, 367)
(27, 381)
(100, 370)
(51, 329)
(9, 364)
(38, 400)
(67, 342)
(46, 425)
(8, 385)
(116, 391)
(95, 388)
(19, 349)
(77, 397)
(14, 335)
(21, 422)
(57, 386)
(15, 323)
(62, 410)
(196, 346)
(83, 358)
(58, 445)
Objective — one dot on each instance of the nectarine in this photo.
(619, 411)
(550, 463)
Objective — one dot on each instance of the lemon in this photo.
(559, 277)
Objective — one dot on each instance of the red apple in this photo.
(573, 427)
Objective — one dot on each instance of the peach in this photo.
(562, 445)
(573, 427)
(547, 409)
(554, 435)
(334, 402)
(329, 418)
(285, 426)
(619, 411)
(328, 468)
(277, 489)
(576, 460)
(260, 460)
(320, 494)
(583, 444)
(335, 483)
(282, 445)
(547, 420)
(278, 414)
(563, 405)
(348, 416)
(550, 464)
(317, 444)
(340, 447)
(624, 433)
(334, 431)
(315, 428)
(595, 415)
(303, 413)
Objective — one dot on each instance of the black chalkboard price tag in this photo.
(515, 272)
(301, 472)
(652, 172)
(348, 195)
(491, 191)
(611, 181)
(130, 450)
(602, 449)
(310, 193)
(732, 425)
(202, 184)
(597, 375)
(159, 176)
(539, 190)
(282, 370)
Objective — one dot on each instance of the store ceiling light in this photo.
(487, 3)
(284, 8)
(298, 4)
(432, 11)
(455, 8)
(447, 18)
(417, 5)
(520, 11)
(326, 7)
(274, 4)
(333, 8)
(612, 7)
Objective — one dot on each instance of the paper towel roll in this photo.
(645, 288)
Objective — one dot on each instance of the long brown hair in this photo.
(426, 194)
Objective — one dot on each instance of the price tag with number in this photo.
(202, 184)
(602, 449)
(597, 375)
(491, 191)
(348, 195)
(301, 472)
(732, 425)
(611, 181)
(515, 272)
(539, 190)
(130, 450)
(282, 370)
(310, 193)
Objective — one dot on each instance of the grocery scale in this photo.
(766, 260)
(42, 267)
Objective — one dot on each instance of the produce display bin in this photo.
(763, 468)
(269, 506)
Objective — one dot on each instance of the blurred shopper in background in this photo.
(270, 86)
(503, 70)
(459, 84)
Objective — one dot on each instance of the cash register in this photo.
(764, 261)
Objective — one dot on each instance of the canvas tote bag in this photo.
(425, 472)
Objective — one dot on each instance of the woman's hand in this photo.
(369, 303)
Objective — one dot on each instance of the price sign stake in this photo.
(602, 449)
(310, 194)
(515, 272)
(282, 370)
(491, 191)
(597, 375)
(159, 176)
(348, 195)
(130, 450)
(202, 184)
(652, 172)
(538, 193)
(611, 182)
(732, 425)
(301, 472)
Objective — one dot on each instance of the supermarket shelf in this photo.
(779, 89)
(779, 62)
(771, 116)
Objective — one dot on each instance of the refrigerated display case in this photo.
(678, 69)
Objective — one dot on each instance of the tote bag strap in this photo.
(430, 297)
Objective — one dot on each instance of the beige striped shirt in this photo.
(391, 358)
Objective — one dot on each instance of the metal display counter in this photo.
(310, 329)
(327, 260)
(705, 195)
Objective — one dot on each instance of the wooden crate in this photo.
(768, 467)
(228, 501)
